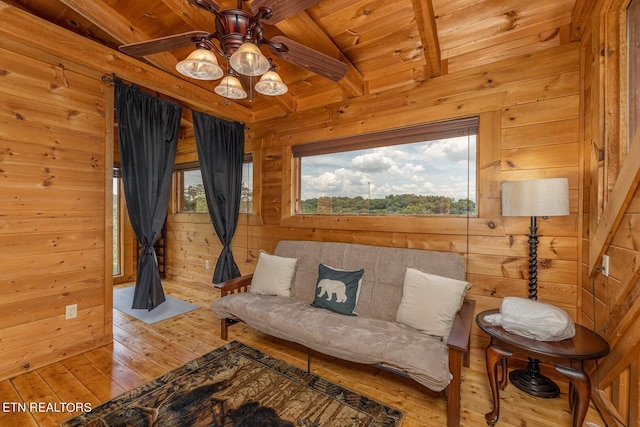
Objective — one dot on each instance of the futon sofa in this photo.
(362, 303)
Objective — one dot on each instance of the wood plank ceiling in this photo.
(388, 45)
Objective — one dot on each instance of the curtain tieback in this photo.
(148, 250)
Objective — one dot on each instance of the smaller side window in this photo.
(190, 189)
(193, 198)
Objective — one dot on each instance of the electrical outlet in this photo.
(207, 265)
(71, 311)
(605, 265)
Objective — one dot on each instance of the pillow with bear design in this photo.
(337, 290)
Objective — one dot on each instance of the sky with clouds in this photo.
(436, 168)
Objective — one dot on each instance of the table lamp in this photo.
(534, 198)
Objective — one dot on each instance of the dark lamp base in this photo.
(536, 385)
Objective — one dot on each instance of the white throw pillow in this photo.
(273, 275)
(429, 302)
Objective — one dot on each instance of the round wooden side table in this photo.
(568, 357)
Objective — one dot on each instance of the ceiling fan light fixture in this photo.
(230, 87)
(201, 64)
(271, 84)
(248, 60)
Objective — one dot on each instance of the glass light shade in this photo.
(271, 84)
(201, 64)
(230, 87)
(536, 197)
(248, 60)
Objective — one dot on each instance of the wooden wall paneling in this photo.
(625, 350)
(321, 122)
(588, 132)
(551, 156)
(508, 49)
(621, 397)
(557, 85)
(539, 92)
(53, 155)
(543, 134)
(548, 110)
(186, 151)
(607, 410)
(488, 168)
(634, 393)
(109, 130)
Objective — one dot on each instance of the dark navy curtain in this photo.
(220, 152)
(148, 137)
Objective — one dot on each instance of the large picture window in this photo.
(423, 170)
(190, 189)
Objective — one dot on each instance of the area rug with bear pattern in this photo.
(239, 386)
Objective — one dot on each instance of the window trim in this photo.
(117, 176)
(425, 132)
(625, 77)
(613, 103)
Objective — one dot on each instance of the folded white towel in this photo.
(533, 319)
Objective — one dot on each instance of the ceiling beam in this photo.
(196, 18)
(110, 21)
(303, 29)
(426, 21)
(114, 24)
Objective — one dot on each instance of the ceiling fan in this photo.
(239, 34)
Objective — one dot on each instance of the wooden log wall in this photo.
(55, 189)
(612, 214)
(529, 128)
(56, 155)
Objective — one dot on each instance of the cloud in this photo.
(340, 182)
(452, 150)
(373, 162)
(426, 168)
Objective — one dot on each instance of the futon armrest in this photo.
(236, 285)
(460, 335)
(459, 355)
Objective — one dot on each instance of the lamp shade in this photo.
(248, 60)
(271, 84)
(201, 64)
(536, 197)
(230, 87)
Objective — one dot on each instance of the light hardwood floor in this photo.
(141, 352)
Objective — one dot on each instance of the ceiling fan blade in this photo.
(281, 9)
(161, 44)
(209, 5)
(310, 59)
